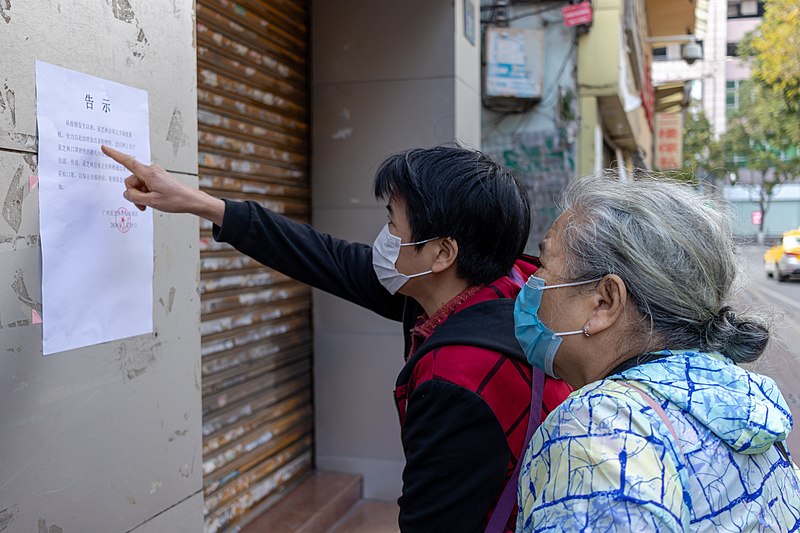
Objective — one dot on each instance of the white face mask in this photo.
(385, 251)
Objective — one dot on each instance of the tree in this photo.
(774, 47)
(763, 137)
(702, 154)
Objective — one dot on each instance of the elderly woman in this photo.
(664, 432)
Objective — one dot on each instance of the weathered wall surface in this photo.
(105, 438)
(539, 146)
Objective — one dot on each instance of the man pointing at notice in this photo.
(447, 266)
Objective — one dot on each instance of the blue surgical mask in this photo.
(539, 342)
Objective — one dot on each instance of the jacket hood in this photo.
(744, 409)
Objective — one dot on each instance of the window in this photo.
(749, 8)
(745, 9)
(660, 54)
(731, 50)
(732, 95)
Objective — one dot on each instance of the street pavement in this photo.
(780, 301)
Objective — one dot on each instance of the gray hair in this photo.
(673, 247)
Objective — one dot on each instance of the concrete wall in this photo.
(736, 69)
(714, 74)
(105, 438)
(402, 80)
(599, 66)
(539, 145)
(737, 28)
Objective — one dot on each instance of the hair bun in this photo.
(741, 339)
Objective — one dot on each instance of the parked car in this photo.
(782, 261)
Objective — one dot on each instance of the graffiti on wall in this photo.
(544, 162)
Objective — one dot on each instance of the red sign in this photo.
(577, 14)
(756, 217)
(669, 141)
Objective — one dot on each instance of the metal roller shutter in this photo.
(256, 333)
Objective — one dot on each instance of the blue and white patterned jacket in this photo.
(605, 461)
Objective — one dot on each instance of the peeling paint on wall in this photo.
(5, 5)
(171, 299)
(122, 10)
(12, 244)
(137, 48)
(53, 528)
(7, 514)
(8, 100)
(134, 363)
(30, 159)
(22, 141)
(176, 134)
(187, 470)
(178, 433)
(12, 205)
(342, 134)
(21, 291)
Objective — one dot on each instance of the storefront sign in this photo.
(577, 14)
(669, 141)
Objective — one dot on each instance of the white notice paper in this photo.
(97, 248)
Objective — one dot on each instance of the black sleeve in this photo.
(336, 266)
(456, 460)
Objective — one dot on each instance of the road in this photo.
(781, 301)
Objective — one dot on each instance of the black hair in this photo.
(462, 194)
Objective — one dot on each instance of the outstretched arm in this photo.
(152, 186)
(336, 266)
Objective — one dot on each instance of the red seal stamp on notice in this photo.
(123, 220)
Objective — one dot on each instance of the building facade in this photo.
(597, 104)
(719, 74)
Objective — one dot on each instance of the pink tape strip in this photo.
(33, 180)
(36, 318)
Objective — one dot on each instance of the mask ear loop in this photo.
(419, 242)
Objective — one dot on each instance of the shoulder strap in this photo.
(659, 411)
(508, 498)
(663, 416)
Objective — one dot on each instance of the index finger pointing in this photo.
(123, 159)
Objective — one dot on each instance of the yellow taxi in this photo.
(783, 260)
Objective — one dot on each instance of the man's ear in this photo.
(446, 256)
(609, 302)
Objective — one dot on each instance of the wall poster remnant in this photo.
(545, 162)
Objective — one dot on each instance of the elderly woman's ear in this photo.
(609, 301)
